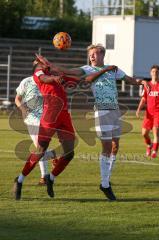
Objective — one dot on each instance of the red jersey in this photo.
(50, 89)
(151, 95)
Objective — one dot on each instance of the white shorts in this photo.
(107, 124)
(33, 130)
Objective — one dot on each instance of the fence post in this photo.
(39, 51)
(131, 90)
(123, 86)
(8, 76)
(140, 90)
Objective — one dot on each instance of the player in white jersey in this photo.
(29, 100)
(107, 113)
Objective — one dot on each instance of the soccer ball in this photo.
(62, 41)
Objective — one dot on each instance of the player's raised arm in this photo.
(54, 68)
(92, 77)
(74, 71)
(43, 60)
(49, 79)
(40, 71)
(134, 81)
(88, 78)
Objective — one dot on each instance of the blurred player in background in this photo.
(55, 118)
(29, 100)
(107, 113)
(150, 98)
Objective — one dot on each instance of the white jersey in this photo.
(31, 96)
(104, 88)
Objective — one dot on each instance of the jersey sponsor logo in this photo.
(153, 93)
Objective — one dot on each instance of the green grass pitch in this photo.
(79, 210)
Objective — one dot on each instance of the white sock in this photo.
(43, 163)
(43, 167)
(113, 158)
(52, 177)
(105, 170)
(21, 178)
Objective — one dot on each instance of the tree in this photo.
(51, 8)
(12, 12)
(145, 7)
(142, 7)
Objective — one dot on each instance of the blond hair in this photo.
(96, 46)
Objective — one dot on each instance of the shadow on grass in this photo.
(8, 195)
(53, 230)
(153, 182)
(81, 200)
(78, 227)
(91, 200)
(140, 199)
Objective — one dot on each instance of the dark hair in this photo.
(155, 66)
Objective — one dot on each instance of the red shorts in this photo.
(150, 122)
(61, 124)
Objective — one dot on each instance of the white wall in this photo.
(122, 55)
(146, 45)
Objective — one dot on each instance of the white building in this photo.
(132, 43)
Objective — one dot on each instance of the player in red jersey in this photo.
(55, 118)
(54, 109)
(151, 120)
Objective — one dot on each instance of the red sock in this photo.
(30, 163)
(155, 147)
(148, 140)
(60, 166)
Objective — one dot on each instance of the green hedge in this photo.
(79, 30)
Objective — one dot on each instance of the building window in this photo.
(110, 41)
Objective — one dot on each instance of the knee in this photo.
(107, 149)
(107, 152)
(69, 156)
(43, 144)
(145, 134)
(115, 148)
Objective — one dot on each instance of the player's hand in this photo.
(25, 112)
(141, 82)
(146, 85)
(138, 113)
(45, 62)
(42, 60)
(112, 68)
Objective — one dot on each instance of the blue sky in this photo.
(85, 5)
